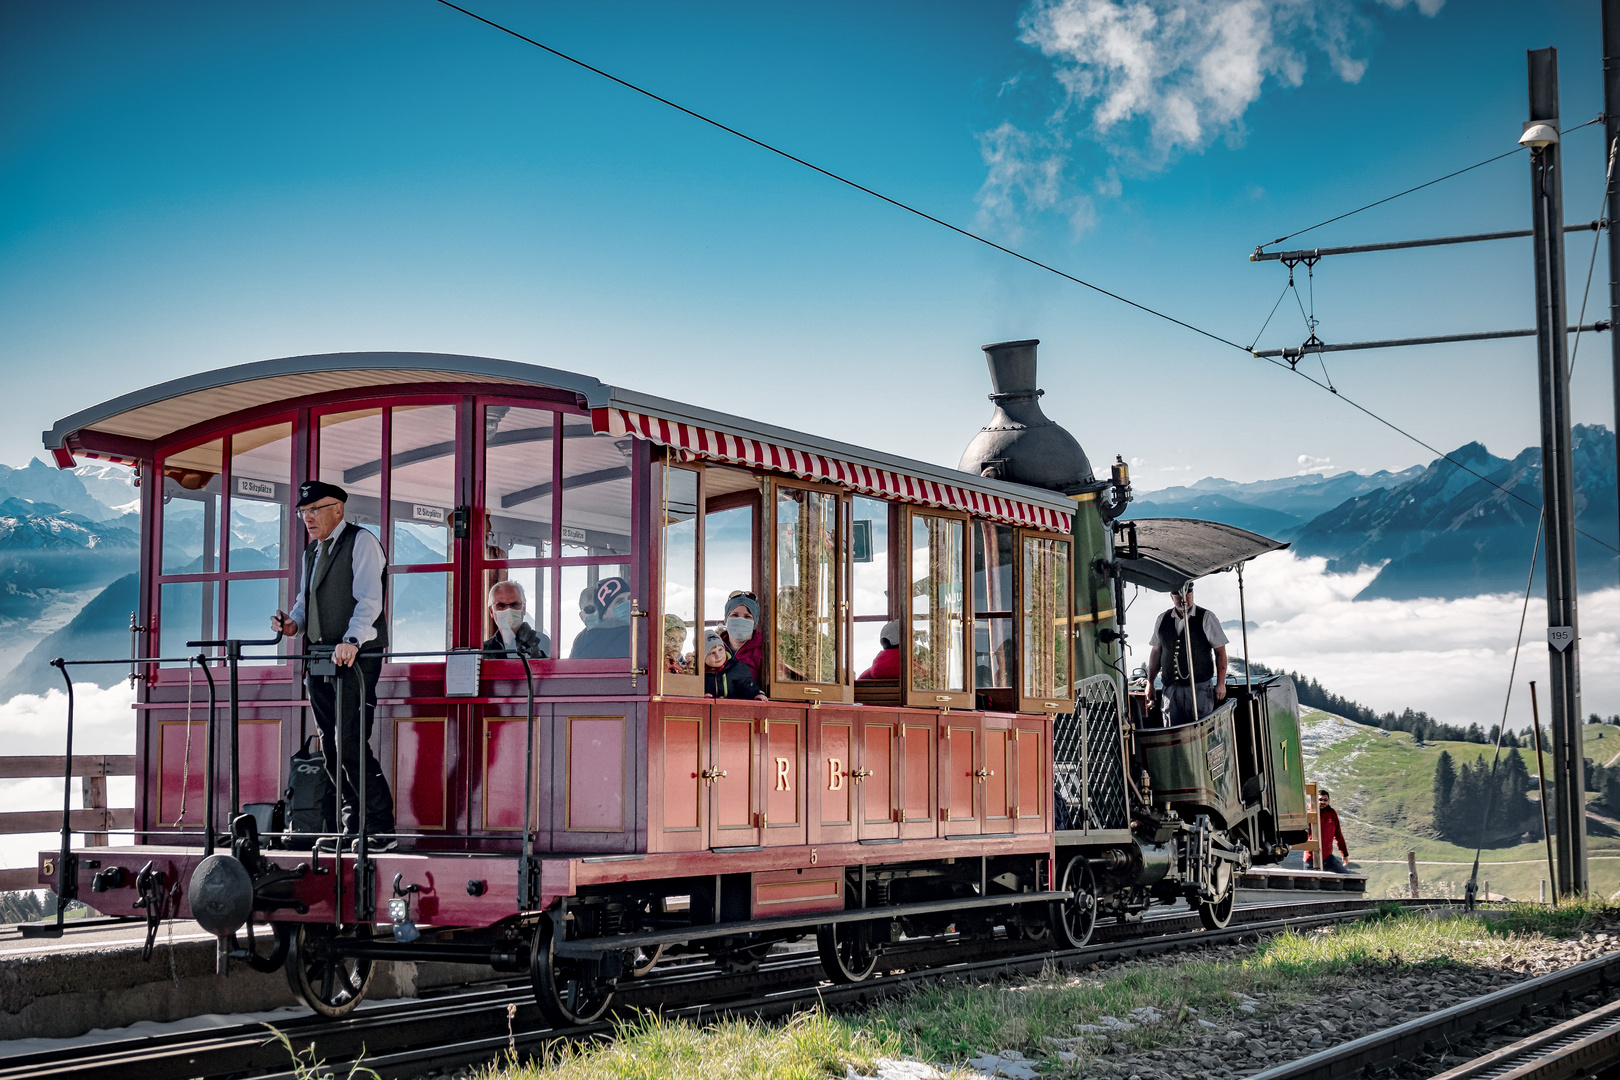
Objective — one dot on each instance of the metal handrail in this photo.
(67, 870)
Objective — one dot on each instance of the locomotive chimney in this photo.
(1019, 443)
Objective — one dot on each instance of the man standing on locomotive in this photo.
(1187, 628)
(340, 606)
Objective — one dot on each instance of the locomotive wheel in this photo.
(1215, 914)
(332, 986)
(566, 996)
(1076, 916)
(846, 951)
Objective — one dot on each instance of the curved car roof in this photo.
(139, 421)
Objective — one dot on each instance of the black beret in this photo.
(313, 491)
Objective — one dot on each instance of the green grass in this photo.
(809, 1046)
(1383, 787)
(1568, 918)
(950, 1024)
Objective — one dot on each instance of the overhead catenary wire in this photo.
(907, 207)
(1410, 190)
(969, 234)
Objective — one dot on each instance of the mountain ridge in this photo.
(1434, 531)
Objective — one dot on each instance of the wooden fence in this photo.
(95, 820)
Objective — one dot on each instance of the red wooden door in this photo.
(917, 786)
(733, 810)
(830, 777)
(998, 768)
(679, 737)
(1032, 785)
(877, 799)
(782, 745)
(959, 773)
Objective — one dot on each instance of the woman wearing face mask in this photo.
(743, 637)
(609, 638)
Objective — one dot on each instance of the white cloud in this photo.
(1150, 79)
(1025, 170)
(103, 723)
(1449, 658)
(1309, 465)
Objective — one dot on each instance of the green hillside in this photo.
(1383, 787)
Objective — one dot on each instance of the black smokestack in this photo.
(1019, 443)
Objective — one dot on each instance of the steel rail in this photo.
(436, 1031)
(855, 994)
(1574, 1048)
(1568, 1050)
(1403, 1042)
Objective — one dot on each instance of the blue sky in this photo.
(187, 186)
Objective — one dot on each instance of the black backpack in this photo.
(311, 802)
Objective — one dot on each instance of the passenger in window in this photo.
(674, 642)
(887, 664)
(742, 635)
(610, 638)
(725, 676)
(589, 613)
(513, 636)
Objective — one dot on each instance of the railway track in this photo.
(408, 1037)
(1566, 1050)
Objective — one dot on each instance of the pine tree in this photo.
(1445, 779)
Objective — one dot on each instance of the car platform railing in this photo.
(320, 664)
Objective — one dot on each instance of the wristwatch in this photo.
(351, 640)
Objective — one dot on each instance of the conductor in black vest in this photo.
(1189, 650)
(340, 605)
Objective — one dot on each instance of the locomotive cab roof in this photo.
(1166, 553)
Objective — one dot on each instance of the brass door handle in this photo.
(711, 775)
(858, 775)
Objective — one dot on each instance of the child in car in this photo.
(724, 676)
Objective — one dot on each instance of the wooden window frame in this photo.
(1027, 703)
(935, 699)
(263, 668)
(670, 684)
(843, 690)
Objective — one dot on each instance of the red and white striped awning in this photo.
(719, 446)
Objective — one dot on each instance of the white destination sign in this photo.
(572, 535)
(1560, 637)
(259, 489)
(434, 514)
(461, 671)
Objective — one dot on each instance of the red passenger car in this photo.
(573, 817)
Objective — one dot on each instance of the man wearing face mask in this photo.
(742, 634)
(513, 636)
(610, 638)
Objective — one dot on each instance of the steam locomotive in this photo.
(579, 817)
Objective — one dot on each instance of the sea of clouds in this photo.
(1449, 658)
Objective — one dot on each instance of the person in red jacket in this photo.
(887, 663)
(1332, 834)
